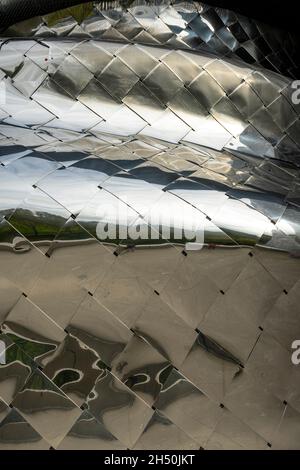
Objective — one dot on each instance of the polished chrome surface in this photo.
(177, 24)
(118, 328)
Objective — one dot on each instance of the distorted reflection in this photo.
(149, 229)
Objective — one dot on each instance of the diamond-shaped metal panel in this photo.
(149, 231)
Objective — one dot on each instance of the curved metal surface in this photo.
(178, 24)
(149, 237)
(13, 11)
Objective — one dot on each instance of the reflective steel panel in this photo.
(149, 230)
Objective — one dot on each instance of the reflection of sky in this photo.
(90, 174)
(159, 208)
(37, 201)
(139, 194)
(107, 208)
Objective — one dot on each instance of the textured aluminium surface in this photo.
(110, 341)
(177, 24)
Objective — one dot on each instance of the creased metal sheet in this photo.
(176, 24)
(121, 330)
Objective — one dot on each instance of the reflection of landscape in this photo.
(149, 231)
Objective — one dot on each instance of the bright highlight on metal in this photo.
(149, 230)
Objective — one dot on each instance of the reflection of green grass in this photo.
(29, 348)
(78, 12)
